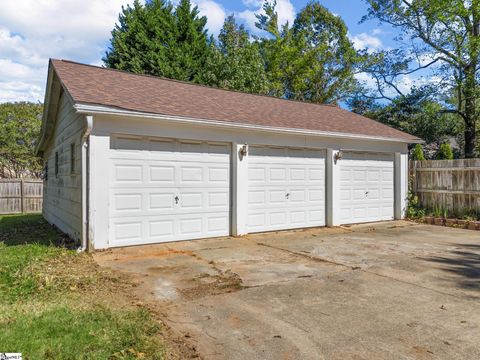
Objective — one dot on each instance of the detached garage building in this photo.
(132, 159)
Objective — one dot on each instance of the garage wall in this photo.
(62, 195)
(105, 126)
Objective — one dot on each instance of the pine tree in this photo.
(191, 48)
(235, 62)
(155, 39)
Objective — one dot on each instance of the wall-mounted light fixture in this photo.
(338, 156)
(244, 150)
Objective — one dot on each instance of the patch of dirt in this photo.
(224, 282)
(79, 275)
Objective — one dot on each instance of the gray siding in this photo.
(62, 196)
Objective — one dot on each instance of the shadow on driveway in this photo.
(464, 264)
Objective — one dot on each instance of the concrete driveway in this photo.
(395, 290)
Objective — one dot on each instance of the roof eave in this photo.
(88, 108)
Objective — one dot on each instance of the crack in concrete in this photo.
(354, 268)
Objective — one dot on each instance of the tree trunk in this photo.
(470, 138)
(470, 110)
(470, 90)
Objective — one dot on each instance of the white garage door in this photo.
(166, 190)
(366, 187)
(286, 188)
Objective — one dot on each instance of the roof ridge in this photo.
(197, 84)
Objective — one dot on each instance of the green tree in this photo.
(159, 40)
(190, 50)
(19, 131)
(447, 34)
(313, 60)
(418, 153)
(235, 62)
(416, 113)
(445, 152)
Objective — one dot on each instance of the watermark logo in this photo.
(11, 356)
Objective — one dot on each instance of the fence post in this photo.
(22, 196)
(414, 177)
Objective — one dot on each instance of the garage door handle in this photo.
(287, 195)
(176, 199)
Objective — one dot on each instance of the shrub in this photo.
(414, 208)
(418, 152)
(445, 152)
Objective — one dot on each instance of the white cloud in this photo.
(366, 41)
(285, 10)
(214, 12)
(253, 3)
(32, 31)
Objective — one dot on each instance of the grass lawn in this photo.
(58, 304)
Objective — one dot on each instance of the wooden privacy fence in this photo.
(20, 196)
(451, 185)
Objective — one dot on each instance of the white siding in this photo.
(62, 193)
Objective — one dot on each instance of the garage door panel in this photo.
(277, 197)
(130, 230)
(219, 175)
(128, 173)
(278, 174)
(127, 202)
(256, 197)
(256, 174)
(161, 201)
(218, 223)
(316, 216)
(317, 174)
(169, 190)
(191, 201)
(218, 199)
(298, 217)
(161, 229)
(277, 218)
(297, 174)
(162, 174)
(189, 174)
(256, 220)
(366, 187)
(316, 195)
(286, 188)
(298, 196)
(191, 226)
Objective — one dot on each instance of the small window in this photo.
(56, 164)
(72, 158)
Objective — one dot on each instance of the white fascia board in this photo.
(105, 110)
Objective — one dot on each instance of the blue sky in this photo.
(32, 31)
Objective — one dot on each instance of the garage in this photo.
(286, 188)
(132, 159)
(366, 187)
(167, 190)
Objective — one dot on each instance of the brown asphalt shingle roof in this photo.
(88, 84)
